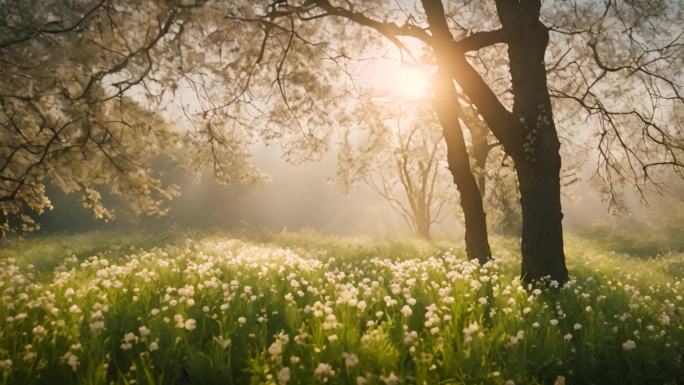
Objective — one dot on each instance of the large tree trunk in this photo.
(421, 220)
(542, 231)
(476, 239)
(528, 134)
(538, 161)
(423, 229)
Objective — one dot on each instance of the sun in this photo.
(412, 83)
(401, 81)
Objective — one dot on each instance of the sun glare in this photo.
(413, 83)
(401, 81)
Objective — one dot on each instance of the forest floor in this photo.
(184, 307)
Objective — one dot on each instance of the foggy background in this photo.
(299, 197)
(308, 195)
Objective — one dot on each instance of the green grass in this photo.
(640, 242)
(174, 307)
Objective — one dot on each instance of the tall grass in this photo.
(301, 308)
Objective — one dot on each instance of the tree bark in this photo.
(542, 230)
(528, 134)
(538, 161)
(476, 239)
(423, 229)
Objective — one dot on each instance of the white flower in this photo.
(5, 364)
(323, 371)
(482, 300)
(154, 345)
(127, 341)
(190, 324)
(330, 322)
(535, 325)
(406, 311)
(560, 380)
(39, 331)
(664, 319)
(284, 376)
(29, 355)
(242, 320)
(628, 345)
(577, 326)
(567, 337)
(469, 331)
(472, 328)
(96, 326)
(392, 379)
(389, 301)
(553, 322)
(129, 337)
(410, 338)
(71, 359)
(222, 342)
(350, 359)
(361, 380)
(74, 309)
(276, 348)
(178, 319)
(143, 331)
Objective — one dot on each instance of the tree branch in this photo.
(389, 30)
(479, 40)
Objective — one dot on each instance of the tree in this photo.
(84, 86)
(400, 156)
(527, 131)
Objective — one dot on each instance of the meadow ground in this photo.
(177, 307)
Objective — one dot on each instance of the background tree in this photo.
(401, 157)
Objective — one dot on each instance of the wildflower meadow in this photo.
(298, 308)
